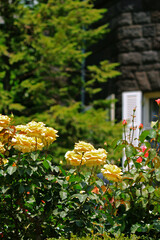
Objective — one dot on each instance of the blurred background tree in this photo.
(42, 49)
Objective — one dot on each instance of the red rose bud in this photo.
(158, 101)
(141, 126)
(139, 160)
(124, 123)
(42, 201)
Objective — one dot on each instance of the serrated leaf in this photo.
(5, 189)
(34, 156)
(135, 227)
(63, 214)
(152, 133)
(63, 194)
(130, 151)
(151, 189)
(81, 197)
(11, 170)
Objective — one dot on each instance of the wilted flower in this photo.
(82, 146)
(124, 123)
(2, 149)
(112, 172)
(95, 157)
(26, 144)
(158, 101)
(4, 121)
(67, 178)
(74, 158)
(3, 161)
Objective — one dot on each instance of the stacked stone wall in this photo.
(134, 42)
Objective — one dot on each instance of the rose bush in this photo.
(39, 199)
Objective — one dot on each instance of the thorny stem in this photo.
(36, 144)
(133, 128)
(156, 140)
(124, 133)
(92, 170)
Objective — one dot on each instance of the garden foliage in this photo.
(42, 48)
(40, 199)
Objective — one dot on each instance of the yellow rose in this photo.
(112, 172)
(49, 135)
(4, 121)
(82, 146)
(22, 128)
(95, 157)
(74, 158)
(35, 129)
(38, 130)
(26, 144)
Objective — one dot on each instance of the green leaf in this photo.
(156, 225)
(79, 223)
(143, 135)
(62, 170)
(152, 133)
(29, 171)
(120, 147)
(81, 197)
(157, 172)
(21, 188)
(5, 189)
(135, 227)
(11, 170)
(46, 164)
(63, 214)
(152, 153)
(63, 194)
(130, 151)
(151, 189)
(34, 156)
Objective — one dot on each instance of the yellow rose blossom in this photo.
(112, 172)
(82, 146)
(38, 130)
(49, 134)
(2, 149)
(35, 129)
(22, 128)
(95, 157)
(26, 144)
(74, 158)
(4, 121)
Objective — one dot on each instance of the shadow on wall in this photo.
(151, 5)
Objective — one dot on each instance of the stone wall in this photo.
(134, 42)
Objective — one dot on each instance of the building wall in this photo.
(134, 42)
